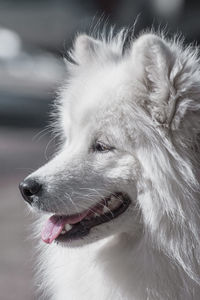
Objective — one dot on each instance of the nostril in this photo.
(28, 192)
(28, 188)
(33, 187)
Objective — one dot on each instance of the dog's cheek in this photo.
(123, 170)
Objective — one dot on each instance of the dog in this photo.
(118, 205)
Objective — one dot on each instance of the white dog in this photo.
(119, 203)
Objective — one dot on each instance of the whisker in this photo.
(88, 196)
(41, 134)
(47, 146)
(70, 199)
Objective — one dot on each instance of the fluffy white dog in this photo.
(119, 205)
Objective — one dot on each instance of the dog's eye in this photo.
(101, 147)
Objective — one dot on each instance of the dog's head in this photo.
(129, 122)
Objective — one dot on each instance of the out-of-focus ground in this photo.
(20, 152)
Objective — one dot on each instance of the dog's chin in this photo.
(106, 218)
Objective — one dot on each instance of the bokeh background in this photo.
(34, 36)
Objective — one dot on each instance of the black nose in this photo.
(29, 188)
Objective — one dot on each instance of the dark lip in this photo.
(82, 228)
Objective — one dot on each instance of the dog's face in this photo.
(96, 171)
(112, 124)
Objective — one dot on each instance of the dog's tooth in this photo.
(96, 215)
(105, 209)
(113, 203)
(68, 227)
(63, 232)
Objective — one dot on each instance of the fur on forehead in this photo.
(163, 76)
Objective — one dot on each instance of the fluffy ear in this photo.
(168, 73)
(84, 49)
(154, 61)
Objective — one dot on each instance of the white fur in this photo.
(144, 101)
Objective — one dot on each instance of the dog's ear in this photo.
(84, 48)
(169, 75)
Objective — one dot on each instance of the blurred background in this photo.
(34, 36)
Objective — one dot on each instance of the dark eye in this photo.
(101, 147)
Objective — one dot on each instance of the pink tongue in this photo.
(55, 225)
(52, 229)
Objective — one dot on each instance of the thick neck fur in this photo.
(169, 199)
(153, 275)
(121, 267)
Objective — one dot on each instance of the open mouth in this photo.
(65, 228)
